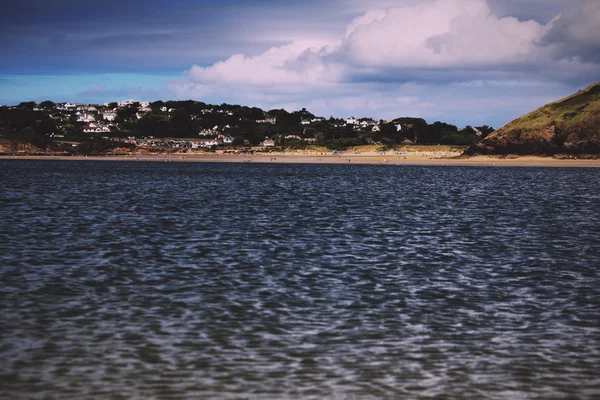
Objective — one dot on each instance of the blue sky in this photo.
(461, 61)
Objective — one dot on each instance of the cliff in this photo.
(567, 126)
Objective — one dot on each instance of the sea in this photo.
(150, 280)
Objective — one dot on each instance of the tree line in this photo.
(41, 123)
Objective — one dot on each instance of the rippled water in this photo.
(137, 280)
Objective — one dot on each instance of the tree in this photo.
(154, 125)
(46, 127)
(126, 114)
(47, 105)
(180, 118)
(27, 105)
(238, 142)
(485, 130)
(468, 130)
(391, 132)
(157, 105)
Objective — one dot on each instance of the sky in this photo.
(466, 62)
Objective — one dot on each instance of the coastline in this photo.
(371, 159)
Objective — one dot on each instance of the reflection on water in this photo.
(297, 281)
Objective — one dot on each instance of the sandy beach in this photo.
(421, 158)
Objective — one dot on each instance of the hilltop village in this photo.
(197, 125)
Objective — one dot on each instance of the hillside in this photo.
(101, 128)
(567, 126)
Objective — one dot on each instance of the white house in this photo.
(85, 117)
(352, 121)
(293, 137)
(376, 128)
(268, 120)
(209, 132)
(205, 143)
(268, 143)
(398, 127)
(305, 122)
(95, 129)
(126, 103)
(109, 115)
(227, 139)
(66, 106)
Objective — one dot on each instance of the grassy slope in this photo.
(571, 124)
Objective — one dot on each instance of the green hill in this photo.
(569, 126)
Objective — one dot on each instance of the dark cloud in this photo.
(542, 11)
(133, 35)
(576, 33)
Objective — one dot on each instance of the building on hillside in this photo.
(205, 143)
(126, 103)
(209, 132)
(85, 117)
(226, 139)
(376, 128)
(109, 115)
(268, 120)
(293, 137)
(268, 143)
(305, 122)
(352, 121)
(66, 106)
(95, 129)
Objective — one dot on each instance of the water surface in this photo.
(169, 280)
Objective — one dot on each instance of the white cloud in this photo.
(451, 40)
(276, 66)
(438, 34)
(441, 34)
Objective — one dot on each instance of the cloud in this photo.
(435, 34)
(576, 33)
(273, 67)
(397, 60)
(455, 60)
(460, 39)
